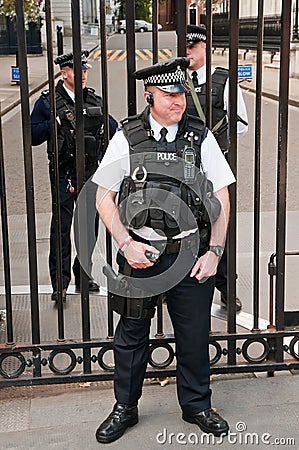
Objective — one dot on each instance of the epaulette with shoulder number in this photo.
(45, 92)
(195, 122)
(135, 132)
(222, 69)
(221, 73)
(129, 119)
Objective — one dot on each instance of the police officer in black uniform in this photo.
(170, 225)
(66, 131)
(196, 52)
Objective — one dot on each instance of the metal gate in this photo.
(269, 345)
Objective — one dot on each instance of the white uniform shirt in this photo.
(115, 164)
(70, 93)
(241, 108)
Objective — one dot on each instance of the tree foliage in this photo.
(31, 9)
(142, 9)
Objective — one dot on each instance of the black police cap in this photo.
(196, 34)
(68, 60)
(169, 75)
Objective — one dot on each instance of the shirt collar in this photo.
(71, 94)
(201, 73)
(156, 127)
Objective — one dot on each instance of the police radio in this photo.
(189, 164)
(71, 118)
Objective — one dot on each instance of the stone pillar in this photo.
(294, 60)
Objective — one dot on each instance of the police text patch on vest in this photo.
(167, 156)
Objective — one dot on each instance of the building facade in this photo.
(249, 8)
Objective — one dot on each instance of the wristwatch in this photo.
(217, 249)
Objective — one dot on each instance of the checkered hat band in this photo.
(68, 61)
(162, 79)
(197, 36)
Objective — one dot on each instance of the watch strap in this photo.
(217, 249)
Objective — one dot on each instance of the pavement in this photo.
(261, 410)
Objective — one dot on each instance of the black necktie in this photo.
(163, 133)
(194, 78)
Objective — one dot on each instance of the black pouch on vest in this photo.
(203, 193)
(67, 149)
(60, 142)
(172, 216)
(164, 200)
(91, 146)
(133, 211)
(131, 204)
(93, 111)
(92, 121)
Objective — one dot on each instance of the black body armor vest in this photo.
(219, 114)
(157, 193)
(93, 126)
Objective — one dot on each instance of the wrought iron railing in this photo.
(85, 358)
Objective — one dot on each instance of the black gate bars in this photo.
(23, 363)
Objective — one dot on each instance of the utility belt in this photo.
(137, 305)
(172, 246)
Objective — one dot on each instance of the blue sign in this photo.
(245, 72)
(15, 74)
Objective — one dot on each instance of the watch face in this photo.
(216, 249)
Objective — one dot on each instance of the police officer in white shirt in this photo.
(169, 239)
(196, 52)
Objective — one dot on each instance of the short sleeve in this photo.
(214, 163)
(115, 164)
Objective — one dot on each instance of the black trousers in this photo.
(67, 204)
(189, 306)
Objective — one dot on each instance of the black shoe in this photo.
(224, 302)
(54, 296)
(209, 422)
(121, 417)
(92, 285)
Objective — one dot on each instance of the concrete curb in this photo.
(271, 96)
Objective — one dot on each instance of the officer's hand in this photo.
(205, 267)
(135, 255)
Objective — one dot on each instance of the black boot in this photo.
(224, 302)
(54, 296)
(92, 285)
(121, 417)
(208, 421)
